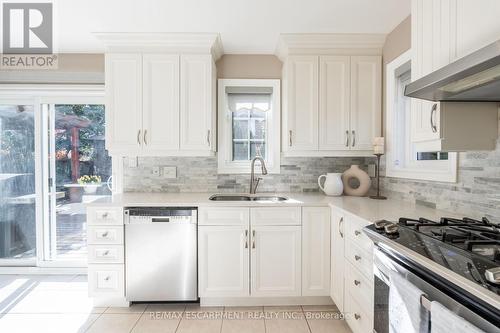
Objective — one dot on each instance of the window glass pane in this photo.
(240, 151)
(257, 149)
(240, 129)
(256, 113)
(432, 156)
(240, 114)
(82, 168)
(17, 182)
(258, 129)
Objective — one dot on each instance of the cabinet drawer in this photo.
(359, 286)
(223, 216)
(276, 216)
(354, 231)
(104, 216)
(106, 280)
(360, 259)
(103, 254)
(105, 235)
(358, 319)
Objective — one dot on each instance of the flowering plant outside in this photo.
(83, 180)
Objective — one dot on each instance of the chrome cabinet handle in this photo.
(105, 234)
(145, 137)
(246, 239)
(107, 278)
(353, 138)
(253, 239)
(347, 138)
(139, 137)
(290, 138)
(357, 257)
(208, 138)
(433, 123)
(357, 283)
(105, 253)
(357, 316)
(105, 215)
(341, 223)
(357, 232)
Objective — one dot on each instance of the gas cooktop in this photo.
(468, 247)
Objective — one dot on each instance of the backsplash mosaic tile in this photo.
(199, 174)
(476, 192)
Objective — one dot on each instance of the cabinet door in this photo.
(337, 259)
(223, 255)
(315, 251)
(123, 102)
(334, 102)
(366, 104)
(276, 257)
(161, 102)
(196, 103)
(301, 104)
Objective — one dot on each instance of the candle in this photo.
(378, 145)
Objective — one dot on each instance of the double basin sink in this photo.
(247, 197)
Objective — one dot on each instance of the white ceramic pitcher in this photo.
(333, 184)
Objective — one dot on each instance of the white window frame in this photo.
(225, 163)
(439, 170)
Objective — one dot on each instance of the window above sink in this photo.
(249, 124)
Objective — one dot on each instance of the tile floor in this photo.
(59, 303)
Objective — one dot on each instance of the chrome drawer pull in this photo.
(105, 234)
(357, 257)
(357, 283)
(105, 253)
(357, 316)
(105, 215)
(357, 232)
(107, 278)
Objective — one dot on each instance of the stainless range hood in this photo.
(475, 77)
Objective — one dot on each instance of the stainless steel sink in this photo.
(223, 197)
(243, 197)
(272, 198)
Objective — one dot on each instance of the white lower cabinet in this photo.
(223, 256)
(337, 259)
(276, 261)
(315, 251)
(258, 252)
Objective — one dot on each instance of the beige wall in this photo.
(249, 66)
(397, 42)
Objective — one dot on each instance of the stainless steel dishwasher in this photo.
(160, 254)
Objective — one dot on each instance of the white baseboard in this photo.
(265, 301)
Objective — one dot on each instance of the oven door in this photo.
(385, 261)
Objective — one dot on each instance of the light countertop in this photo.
(363, 207)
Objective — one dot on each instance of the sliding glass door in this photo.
(18, 197)
(80, 169)
(53, 163)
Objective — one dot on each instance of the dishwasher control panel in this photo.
(143, 215)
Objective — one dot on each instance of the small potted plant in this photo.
(90, 183)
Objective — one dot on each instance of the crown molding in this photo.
(179, 42)
(325, 43)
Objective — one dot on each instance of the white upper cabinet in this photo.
(334, 102)
(197, 107)
(161, 101)
(332, 93)
(301, 103)
(160, 93)
(366, 101)
(124, 95)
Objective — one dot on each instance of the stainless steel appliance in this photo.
(475, 77)
(453, 261)
(161, 254)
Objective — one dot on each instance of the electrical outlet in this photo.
(156, 171)
(132, 162)
(372, 170)
(169, 172)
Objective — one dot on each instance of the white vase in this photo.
(354, 172)
(333, 184)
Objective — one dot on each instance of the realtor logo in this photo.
(27, 28)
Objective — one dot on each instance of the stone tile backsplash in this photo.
(477, 191)
(199, 174)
